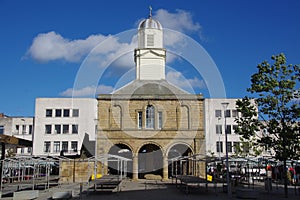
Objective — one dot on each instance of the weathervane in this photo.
(150, 11)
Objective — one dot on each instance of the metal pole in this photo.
(226, 150)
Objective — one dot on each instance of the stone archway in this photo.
(178, 167)
(150, 160)
(124, 151)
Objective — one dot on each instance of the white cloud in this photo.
(181, 20)
(87, 91)
(52, 46)
(179, 80)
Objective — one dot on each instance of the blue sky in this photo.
(44, 44)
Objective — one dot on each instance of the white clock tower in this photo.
(150, 56)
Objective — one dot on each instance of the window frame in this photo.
(48, 129)
(150, 117)
(75, 112)
(58, 112)
(66, 113)
(50, 114)
(47, 146)
(219, 146)
(74, 127)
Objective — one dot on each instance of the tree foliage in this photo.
(274, 107)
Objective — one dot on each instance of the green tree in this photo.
(275, 91)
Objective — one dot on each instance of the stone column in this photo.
(135, 171)
(165, 168)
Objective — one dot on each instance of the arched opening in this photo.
(150, 160)
(123, 151)
(178, 167)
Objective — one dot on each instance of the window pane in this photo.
(227, 113)
(160, 120)
(150, 117)
(228, 129)
(47, 147)
(219, 146)
(66, 112)
(30, 129)
(48, 129)
(58, 113)
(48, 112)
(64, 146)
(58, 129)
(65, 128)
(140, 119)
(23, 129)
(56, 146)
(234, 127)
(229, 146)
(236, 146)
(74, 146)
(75, 129)
(218, 129)
(1, 129)
(234, 113)
(75, 112)
(218, 113)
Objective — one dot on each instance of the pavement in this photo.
(158, 190)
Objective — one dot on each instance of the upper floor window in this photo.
(48, 129)
(150, 117)
(57, 112)
(228, 129)
(229, 147)
(66, 112)
(160, 120)
(47, 146)
(23, 129)
(56, 146)
(48, 112)
(227, 113)
(65, 128)
(219, 146)
(218, 129)
(57, 129)
(65, 146)
(74, 145)
(218, 113)
(75, 112)
(1, 129)
(30, 130)
(74, 129)
(235, 113)
(140, 119)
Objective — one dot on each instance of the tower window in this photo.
(150, 40)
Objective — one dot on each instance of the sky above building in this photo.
(82, 48)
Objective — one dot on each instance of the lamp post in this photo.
(225, 105)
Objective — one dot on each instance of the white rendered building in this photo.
(20, 127)
(62, 123)
(214, 113)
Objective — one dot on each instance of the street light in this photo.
(225, 105)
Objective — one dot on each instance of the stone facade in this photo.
(181, 118)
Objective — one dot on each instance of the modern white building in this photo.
(214, 114)
(20, 127)
(62, 123)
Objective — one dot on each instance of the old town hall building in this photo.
(149, 120)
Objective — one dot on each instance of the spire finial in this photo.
(150, 11)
